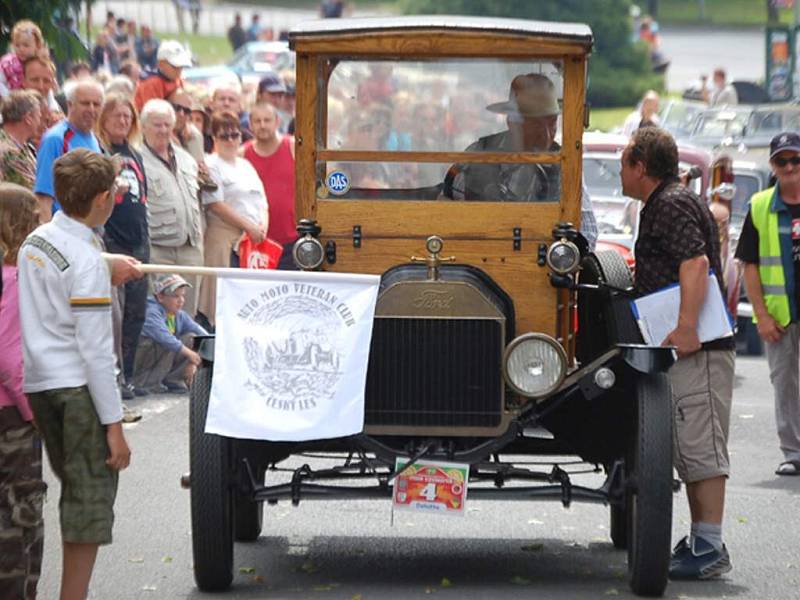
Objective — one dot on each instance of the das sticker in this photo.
(338, 183)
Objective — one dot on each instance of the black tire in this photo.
(649, 493)
(248, 518)
(211, 493)
(604, 319)
(619, 527)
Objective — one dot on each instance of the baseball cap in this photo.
(174, 53)
(272, 83)
(169, 284)
(787, 140)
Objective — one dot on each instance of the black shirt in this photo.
(127, 225)
(747, 249)
(675, 226)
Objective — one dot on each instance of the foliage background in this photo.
(619, 69)
(45, 13)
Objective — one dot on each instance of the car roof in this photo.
(568, 31)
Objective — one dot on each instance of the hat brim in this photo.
(180, 62)
(786, 149)
(510, 108)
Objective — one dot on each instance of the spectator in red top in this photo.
(379, 87)
(272, 155)
(172, 58)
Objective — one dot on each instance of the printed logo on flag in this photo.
(299, 366)
(291, 353)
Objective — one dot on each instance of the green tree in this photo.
(45, 13)
(619, 70)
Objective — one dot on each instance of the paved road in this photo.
(694, 51)
(341, 550)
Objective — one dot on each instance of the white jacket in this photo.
(65, 313)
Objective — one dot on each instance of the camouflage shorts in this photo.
(76, 445)
(21, 497)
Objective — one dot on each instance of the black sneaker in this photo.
(127, 390)
(700, 561)
(175, 388)
(140, 392)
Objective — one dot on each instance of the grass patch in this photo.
(209, 49)
(606, 119)
(719, 12)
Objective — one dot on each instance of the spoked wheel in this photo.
(649, 493)
(211, 492)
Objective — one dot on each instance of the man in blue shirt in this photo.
(84, 100)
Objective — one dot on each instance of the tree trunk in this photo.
(772, 12)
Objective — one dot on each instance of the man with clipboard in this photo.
(678, 243)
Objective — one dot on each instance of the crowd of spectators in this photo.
(199, 169)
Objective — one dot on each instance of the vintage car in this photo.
(494, 321)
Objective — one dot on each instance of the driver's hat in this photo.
(530, 95)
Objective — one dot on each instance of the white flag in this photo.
(291, 353)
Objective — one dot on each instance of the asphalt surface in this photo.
(351, 550)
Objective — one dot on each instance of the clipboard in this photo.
(656, 314)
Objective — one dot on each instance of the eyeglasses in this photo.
(184, 109)
(782, 162)
(229, 135)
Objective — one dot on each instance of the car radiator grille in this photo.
(435, 372)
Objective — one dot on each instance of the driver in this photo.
(532, 119)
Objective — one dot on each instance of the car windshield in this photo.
(770, 122)
(721, 123)
(679, 117)
(436, 107)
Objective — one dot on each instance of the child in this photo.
(65, 310)
(27, 42)
(162, 357)
(21, 486)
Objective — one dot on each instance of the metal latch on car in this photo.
(517, 239)
(356, 236)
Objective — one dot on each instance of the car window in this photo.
(720, 124)
(440, 106)
(746, 186)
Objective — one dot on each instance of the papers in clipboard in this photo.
(657, 314)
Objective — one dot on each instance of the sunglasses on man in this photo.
(782, 162)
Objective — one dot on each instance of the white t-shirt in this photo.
(240, 187)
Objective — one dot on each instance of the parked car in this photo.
(250, 63)
(523, 328)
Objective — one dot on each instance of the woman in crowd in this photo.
(126, 230)
(238, 206)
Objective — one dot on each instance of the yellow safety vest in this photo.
(770, 262)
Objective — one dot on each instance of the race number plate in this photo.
(432, 487)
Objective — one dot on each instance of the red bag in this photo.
(264, 255)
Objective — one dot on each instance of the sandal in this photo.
(789, 467)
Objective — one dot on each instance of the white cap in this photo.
(174, 53)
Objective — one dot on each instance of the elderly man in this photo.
(172, 58)
(84, 100)
(176, 226)
(769, 246)
(226, 96)
(532, 118)
(677, 244)
(22, 117)
(186, 134)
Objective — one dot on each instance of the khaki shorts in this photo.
(702, 389)
(76, 446)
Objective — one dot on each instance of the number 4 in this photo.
(429, 492)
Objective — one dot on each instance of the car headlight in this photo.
(535, 365)
(563, 257)
(308, 253)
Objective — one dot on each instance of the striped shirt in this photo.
(65, 312)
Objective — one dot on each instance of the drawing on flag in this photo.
(291, 353)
